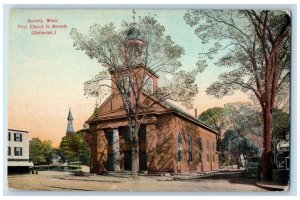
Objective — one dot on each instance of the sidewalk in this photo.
(273, 186)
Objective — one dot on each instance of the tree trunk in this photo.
(135, 155)
(267, 153)
(135, 161)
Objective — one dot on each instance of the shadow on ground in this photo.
(234, 177)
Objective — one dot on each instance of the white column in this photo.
(116, 150)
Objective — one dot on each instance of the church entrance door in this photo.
(142, 149)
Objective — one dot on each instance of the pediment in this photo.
(106, 110)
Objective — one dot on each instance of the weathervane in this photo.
(133, 15)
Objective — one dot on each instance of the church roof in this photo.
(186, 114)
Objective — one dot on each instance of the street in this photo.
(57, 181)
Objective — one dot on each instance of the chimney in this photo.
(196, 115)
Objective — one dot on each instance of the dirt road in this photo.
(54, 181)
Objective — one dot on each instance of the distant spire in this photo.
(70, 117)
(70, 128)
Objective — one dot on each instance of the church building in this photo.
(170, 139)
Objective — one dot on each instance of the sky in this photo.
(46, 73)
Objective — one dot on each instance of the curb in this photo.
(273, 187)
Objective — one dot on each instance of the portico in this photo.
(114, 147)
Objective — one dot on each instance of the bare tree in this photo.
(257, 48)
(128, 56)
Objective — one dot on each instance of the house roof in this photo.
(18, 130)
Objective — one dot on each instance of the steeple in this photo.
(134, 46)
(70, 128)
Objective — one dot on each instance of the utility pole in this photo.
(228, 155)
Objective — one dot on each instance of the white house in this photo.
(18, 151)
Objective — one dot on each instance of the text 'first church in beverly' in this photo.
(170, 139)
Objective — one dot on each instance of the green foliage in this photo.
(40, 152)
(244, 118)
(236, 145)
(244, 125)
(238, 116)
(248, 122)
(74, 148)
(281, 125)
(244, 134)
(216, 118)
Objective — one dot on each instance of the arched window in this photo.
(207, 151)
(200, 149)
(179, 147)
(190, 152)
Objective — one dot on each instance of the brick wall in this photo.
(187, 128)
